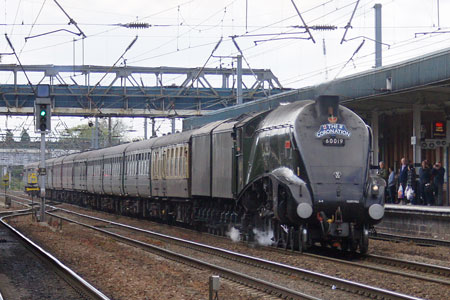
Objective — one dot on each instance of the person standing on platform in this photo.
(403, 177)
(425, 184)
(391, 186)
(438, 182)
(382, 172)
(411, 185)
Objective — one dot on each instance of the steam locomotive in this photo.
(299, 174)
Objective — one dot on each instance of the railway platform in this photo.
(416, 221)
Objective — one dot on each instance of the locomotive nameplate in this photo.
(332, 141)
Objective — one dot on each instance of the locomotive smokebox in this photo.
(327, 106)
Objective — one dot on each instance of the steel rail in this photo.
(421, 267)
(339, 283)
(417, 240)
(78, 283)
(424, 268)
(264, 286)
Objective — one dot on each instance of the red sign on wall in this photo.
(439, 130)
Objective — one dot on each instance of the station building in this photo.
(407, 105)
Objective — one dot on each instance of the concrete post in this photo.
(378, 38)
(173, 125)
(96, 134)
(145, 127)
(417, 155)
(239, 79)
(153, 128)
(42, 177)
(109, 132)
(214, 287)
(376, 136)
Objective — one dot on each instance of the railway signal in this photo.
(43, 114)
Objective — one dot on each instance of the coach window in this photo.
(163, 169)
(133, 164)
(158, 164)
(130, 164)
(180, 162)
(152, 169)
(169, 163)
(158, 167)
(147, 167)
(162, 162)
(186, 162)
(144, 163)
(147, 161)
(173, 166)
(139, 164)
(176, 162)
(155, 164)
(172, 163)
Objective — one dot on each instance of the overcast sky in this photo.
(184, 33)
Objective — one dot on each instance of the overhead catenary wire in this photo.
(351, 58)
(303, 21)
(134, 59)
(115, 63)
(248, 55)
(21, 66)
(349, 24)
(71, 21)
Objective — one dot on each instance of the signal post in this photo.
(42, 111)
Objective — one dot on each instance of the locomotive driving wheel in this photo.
(353, 240)
(302, 238)
(364, 240)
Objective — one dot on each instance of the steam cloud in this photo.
(234, 234)
(263, 238)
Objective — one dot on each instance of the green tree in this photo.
(9, 137)
(83, 133)
(24, 136)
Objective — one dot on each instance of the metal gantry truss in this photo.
(130, 91)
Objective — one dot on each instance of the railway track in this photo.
(325, 280)
(420, 271)
(86, 290)
(416, 270)
(416, 240)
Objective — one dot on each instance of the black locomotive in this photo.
(298, 174)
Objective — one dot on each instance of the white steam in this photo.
(234, 234)
(263, 238)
